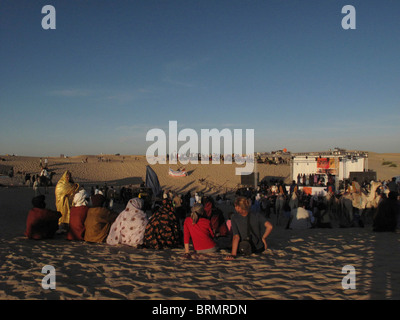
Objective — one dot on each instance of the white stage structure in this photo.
(338, 163)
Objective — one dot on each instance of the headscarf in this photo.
(38, 202)
(65, 191)
(162, 231)
(130, 225)
(98, 200)
(136, 203)
(80, 199)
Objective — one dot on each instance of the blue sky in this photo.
(112, 70)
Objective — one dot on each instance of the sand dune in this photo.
(299, 264)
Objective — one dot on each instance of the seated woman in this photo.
(41, 223)
(98, 220)
(198, 228)
(130, 225)
(162, 231)
(78, 213)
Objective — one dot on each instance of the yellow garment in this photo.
(98, 223)
(65, 192)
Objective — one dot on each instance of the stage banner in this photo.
(332, 163)
(326, 165)
(322, 163)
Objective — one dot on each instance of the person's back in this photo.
(97, 224)
(98, 220)
(78, 213)
(387, 215)
(300, 219)
(77, 219)
(200, 233)
(198, 228)
(392, 185)
(41, 223)
(257, 228)
(130, 225)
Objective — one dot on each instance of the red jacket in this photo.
(200, 233)
(77, 223)
(217, 220)
(41, 223)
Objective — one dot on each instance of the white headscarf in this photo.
(80, 199)
(137, 203)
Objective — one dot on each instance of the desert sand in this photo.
(298, 264)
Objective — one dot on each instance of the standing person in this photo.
(198, 228)
(130, 225)
(179, 210)
(192, 201)
(110, 197)
(197, 198)
(65, 191)
(248, 225)
(385, 219)
(36, 185)
(280, 204)
(393, 187)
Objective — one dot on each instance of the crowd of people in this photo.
(297, 209)
(192, 221)
(314, 179)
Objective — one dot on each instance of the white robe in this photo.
(130, 225)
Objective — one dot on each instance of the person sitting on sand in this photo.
(162, 231)
(245, 222)
(300, 218)
(198, 229)
(65, 191)
(98, 220)
(130, 225)
(216, 217)
(78, 213)
(41, 223)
